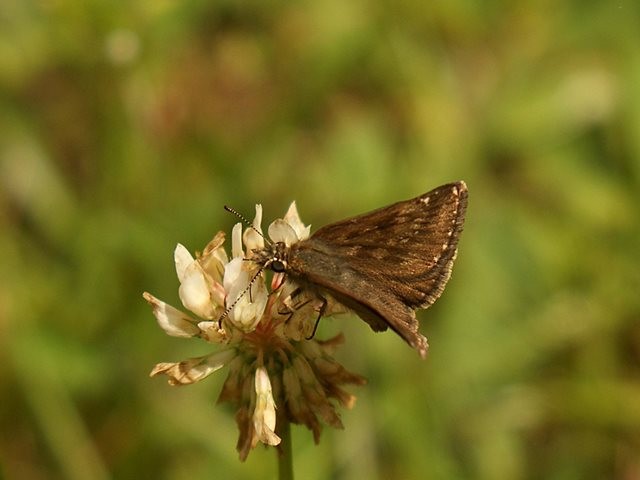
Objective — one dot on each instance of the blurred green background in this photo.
(126, 126)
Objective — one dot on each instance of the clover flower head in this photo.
(275, 373)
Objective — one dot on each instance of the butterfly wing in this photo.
(386, 263)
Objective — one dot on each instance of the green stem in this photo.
(285, 457)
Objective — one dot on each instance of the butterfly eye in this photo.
(277, 266)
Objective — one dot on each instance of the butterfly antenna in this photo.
(246, 222)
(225, 314)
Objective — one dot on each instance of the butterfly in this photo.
(383, 265)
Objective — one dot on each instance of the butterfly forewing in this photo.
(386, 263)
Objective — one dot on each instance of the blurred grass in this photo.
(124, 128)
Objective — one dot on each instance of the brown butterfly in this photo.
(384, 264)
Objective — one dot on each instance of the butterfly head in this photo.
(274, 257)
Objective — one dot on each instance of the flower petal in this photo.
(183, 259)
(248, 306)
(314, 393)
(194, 292)
(293, 219)
(232, 273)
(214, 258)
(236, 241)
(195, 369)
(297, 405)
(212, 333)
(281, 231)
(171, 320)
(264, 416)
(252, 239)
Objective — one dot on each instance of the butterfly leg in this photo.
(291, 311)
(289, 306)
(321, 311)
(292, 305)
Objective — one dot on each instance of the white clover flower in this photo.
(194, 369)
(272, 366)
(246, 293)
(250, 295)
(264, 416)
(252, 237)
(293, 219)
